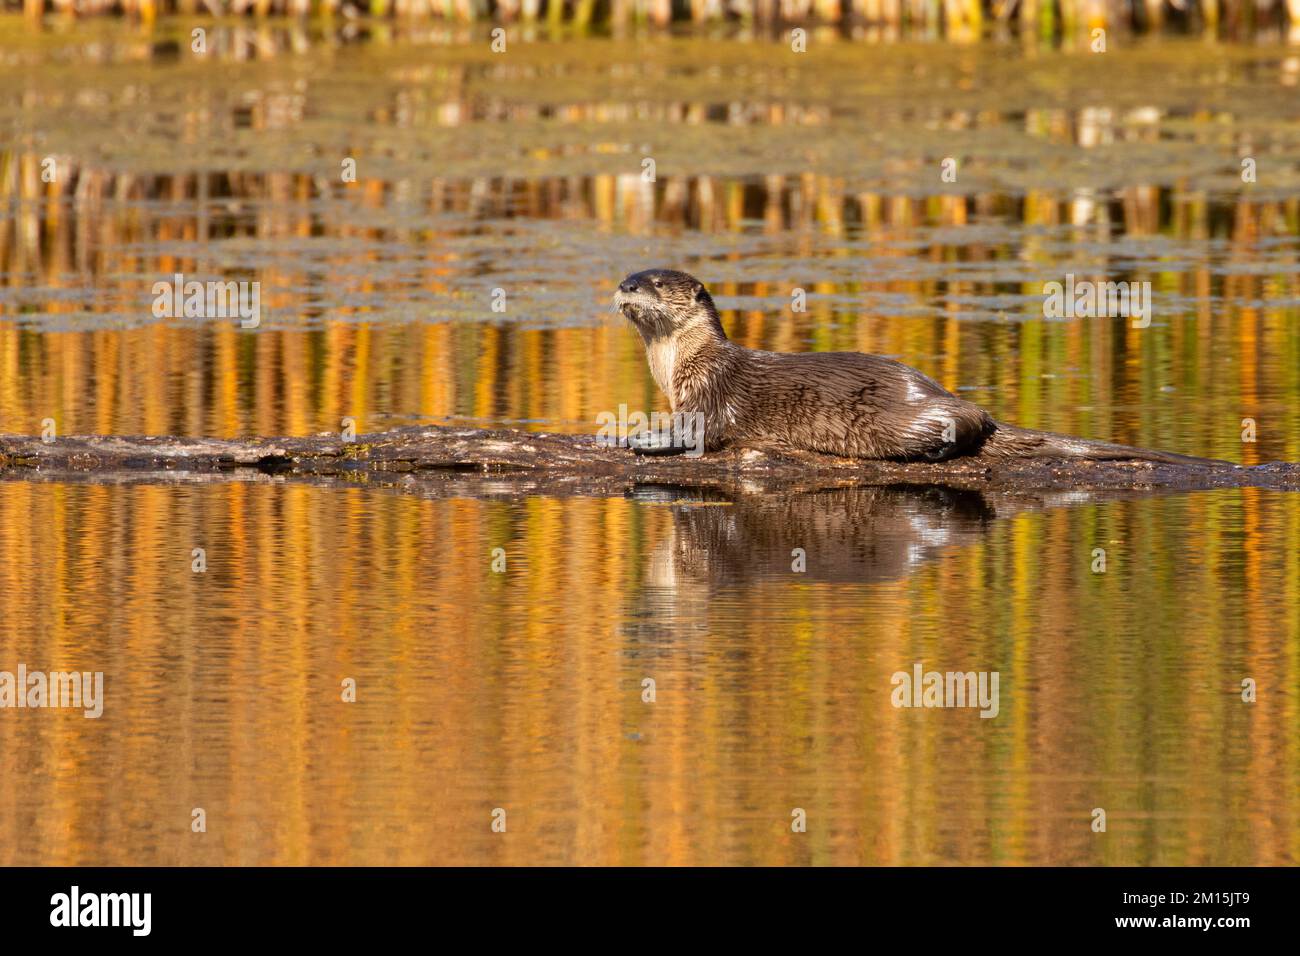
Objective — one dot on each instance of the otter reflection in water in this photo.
(863, 535)
(859, 534)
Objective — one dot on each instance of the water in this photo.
(523, 690)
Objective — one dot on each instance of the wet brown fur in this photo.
(841, 403)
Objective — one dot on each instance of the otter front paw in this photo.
(656, 443)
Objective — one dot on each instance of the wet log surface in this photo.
(516, 462)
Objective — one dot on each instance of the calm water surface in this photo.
(523, 689)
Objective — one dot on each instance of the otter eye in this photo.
(658, 284)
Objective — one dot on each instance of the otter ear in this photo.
(700, 293)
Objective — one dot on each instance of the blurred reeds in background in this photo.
(951, 18)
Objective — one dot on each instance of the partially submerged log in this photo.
(542, 463)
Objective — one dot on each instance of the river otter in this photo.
(840, 403)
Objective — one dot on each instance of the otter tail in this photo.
(1008, 441)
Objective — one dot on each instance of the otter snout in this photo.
(636, 294)
(639, 288)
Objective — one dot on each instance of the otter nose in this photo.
(627, 285)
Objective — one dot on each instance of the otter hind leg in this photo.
(946, 430)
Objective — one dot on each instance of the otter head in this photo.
(664, 303)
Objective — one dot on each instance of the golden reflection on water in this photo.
(1188, 389)
(478, 173)
(523, 690)
(386, 326)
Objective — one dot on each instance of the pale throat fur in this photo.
(685, 366)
